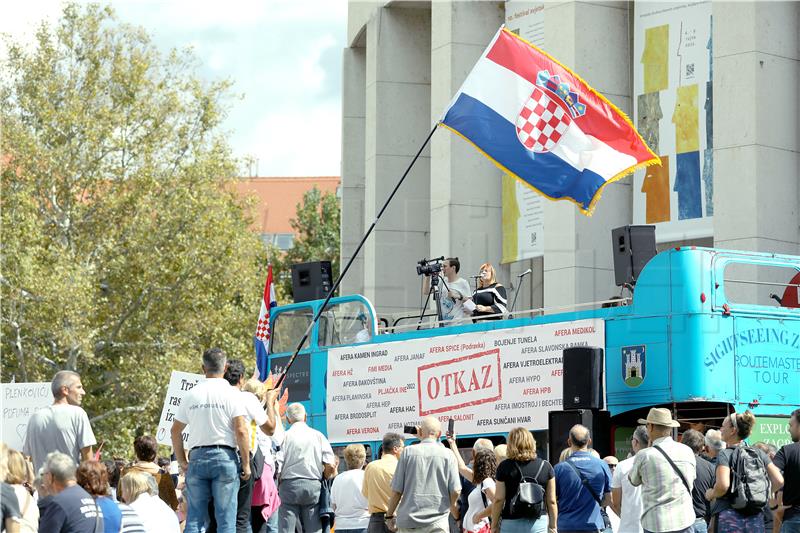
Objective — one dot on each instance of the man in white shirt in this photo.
(62, 427)
(256, 418)
(452, 292)
(307, 458)
(215, 418)
(626, 500)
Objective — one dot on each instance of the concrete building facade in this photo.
(405, 60)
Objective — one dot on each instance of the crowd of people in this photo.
(245, 473)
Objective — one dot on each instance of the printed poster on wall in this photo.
(672, 109)
(523, 208)
(488, 382)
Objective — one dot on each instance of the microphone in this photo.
(476, 277)
(525, 273)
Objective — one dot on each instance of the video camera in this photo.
(427, 267)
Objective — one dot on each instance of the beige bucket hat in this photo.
(660, 417)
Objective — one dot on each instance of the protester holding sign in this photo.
(214, 414)
(62, 427)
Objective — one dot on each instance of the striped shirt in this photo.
(131, 523)
(666, 503)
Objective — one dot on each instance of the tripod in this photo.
(434, 290)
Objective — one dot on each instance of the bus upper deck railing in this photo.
(539, 311)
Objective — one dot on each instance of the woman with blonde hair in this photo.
(139, 491)
(509, 514)
(737, 455)
(20, 477)
(349, 504)
(489, 297)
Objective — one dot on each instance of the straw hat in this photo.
(659, 416)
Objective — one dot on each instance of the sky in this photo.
(283, 56)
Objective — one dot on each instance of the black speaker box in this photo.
(633, 247)
(560, 422)
(311, 281)
(583, 378)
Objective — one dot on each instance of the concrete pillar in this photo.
(756, 144)
(397, 120)
(757, 134)
(592, 39)
(354, 66)
(465, 187)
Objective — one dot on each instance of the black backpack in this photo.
(750, 484)
(528, 502)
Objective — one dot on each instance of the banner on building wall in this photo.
(672, 108)
(489, 382)
(523, 209)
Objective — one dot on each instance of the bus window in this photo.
(757, 284)
(288, 329)
(345, 323)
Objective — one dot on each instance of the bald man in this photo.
(580, 505)
(427, 469)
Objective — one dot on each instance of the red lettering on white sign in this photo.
(461, 382)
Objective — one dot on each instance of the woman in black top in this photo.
(489, 297)
(735, 429)
(522, 462)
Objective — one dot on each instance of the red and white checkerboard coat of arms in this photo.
(541, 122)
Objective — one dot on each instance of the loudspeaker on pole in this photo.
(583, 378)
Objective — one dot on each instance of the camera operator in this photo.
(452, 292)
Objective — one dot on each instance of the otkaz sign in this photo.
(488, 381)
(461, 382)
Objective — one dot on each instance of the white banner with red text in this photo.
(489, 381)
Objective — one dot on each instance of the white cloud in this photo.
(281, 54)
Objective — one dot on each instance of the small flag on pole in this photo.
(261, 338)
(541, 123)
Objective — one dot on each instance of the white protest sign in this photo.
(20, 402)
(489, 381)
(179, 384)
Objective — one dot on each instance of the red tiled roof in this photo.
(278, 198)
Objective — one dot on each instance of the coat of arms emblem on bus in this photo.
(633, 365)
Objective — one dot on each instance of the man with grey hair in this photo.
(62, 427)
(427, 481)
(67, 507)
(307, 459)
(713, 444)
(215, 419)
(705, 480)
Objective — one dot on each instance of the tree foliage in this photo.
(316, 225)
(124, 251)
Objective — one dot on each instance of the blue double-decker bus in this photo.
(706, 332)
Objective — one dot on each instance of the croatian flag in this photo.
(539, 122)
(261, 338)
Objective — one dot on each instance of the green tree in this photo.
(316, 225)
(125, 251)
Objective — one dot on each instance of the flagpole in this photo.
(352, 258)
